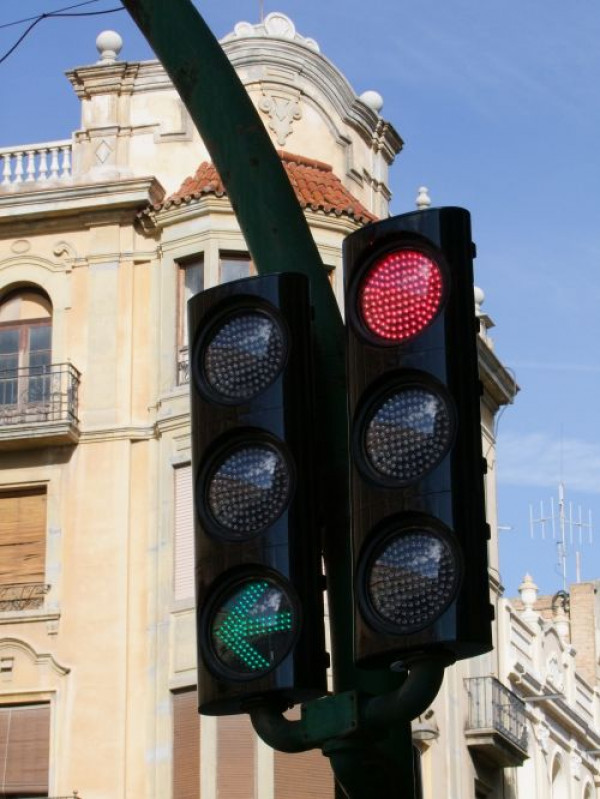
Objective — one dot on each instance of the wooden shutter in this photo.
(184, 534)
(186, 745)
(236, 747)
(306, 775)
(23, 536)
(24, 750)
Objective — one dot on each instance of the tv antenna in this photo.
(570, 534)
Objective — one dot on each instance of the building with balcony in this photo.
(103, 237)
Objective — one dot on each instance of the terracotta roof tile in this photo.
(314, 183)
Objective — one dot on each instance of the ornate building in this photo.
(103, 238)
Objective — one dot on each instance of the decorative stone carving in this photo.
(103, 152)
(554, 672)
(20, 246)
(542, 733)
(275, 24)
(282, 111)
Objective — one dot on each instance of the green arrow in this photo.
(239, 627)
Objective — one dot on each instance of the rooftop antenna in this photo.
(569, 536)
(261, 10)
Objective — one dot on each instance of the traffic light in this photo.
(419, 532)
(259, 585)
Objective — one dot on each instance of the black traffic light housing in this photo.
(419, 531)
(259, 585)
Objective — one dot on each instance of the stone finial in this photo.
(109, 45)
(372, 99)
(479, 300)
(528, 593)
(423, 199)
(560, 617)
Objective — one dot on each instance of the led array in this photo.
(249, 489)
(244, 356)
(247, 621)
(400, 295)
(412, 579)
(408, 433)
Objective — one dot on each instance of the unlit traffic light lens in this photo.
(408, 433)
(400, 295)
(252, 627)
(244, 356)
(248, 489)
(411, 578)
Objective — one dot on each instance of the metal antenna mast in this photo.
(568, 528)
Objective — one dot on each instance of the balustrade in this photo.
(36, 163)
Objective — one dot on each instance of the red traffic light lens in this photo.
(401, 294)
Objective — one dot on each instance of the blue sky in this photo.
(499, 108)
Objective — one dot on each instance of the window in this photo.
(186, 745)
(24, 750)
(25, 348)
(233, 266)
(184, 534)
(191, 281)
(22, 548)
(236, 749)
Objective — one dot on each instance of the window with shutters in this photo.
(22, 548)
(186, 745)
(236, 751)
(190, 282)
(183, 577)
(24, 750)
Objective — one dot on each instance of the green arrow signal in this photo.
(243, 623)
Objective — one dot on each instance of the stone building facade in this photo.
(103, 237)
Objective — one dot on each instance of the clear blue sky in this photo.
(499, 107)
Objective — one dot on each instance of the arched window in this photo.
(25, 346)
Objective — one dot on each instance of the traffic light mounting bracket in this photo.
(350, 713)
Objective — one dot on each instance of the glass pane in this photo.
(39, 338)
(235, 268)
(9, 342)
(193, 279)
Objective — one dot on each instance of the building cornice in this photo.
(91, 199)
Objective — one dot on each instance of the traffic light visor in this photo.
(400, 294)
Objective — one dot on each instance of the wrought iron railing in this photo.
(47, 393)
(22, 596)
(183, 367)
(494, 706)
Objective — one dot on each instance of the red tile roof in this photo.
(314, 183)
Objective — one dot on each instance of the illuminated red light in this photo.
(401, 294)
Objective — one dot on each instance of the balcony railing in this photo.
(36, 394)
(183, 367)
(497, 721)
(22, 596)
(35, 163)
